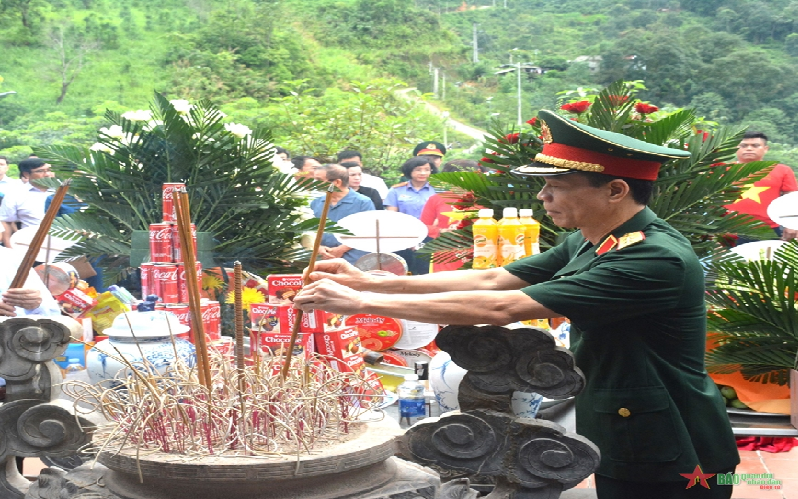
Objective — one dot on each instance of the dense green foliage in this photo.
(733, 61)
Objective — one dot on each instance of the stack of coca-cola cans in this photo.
(165, 274)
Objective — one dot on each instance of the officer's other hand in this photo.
(23, 298)
(338, 270)
(329, 296)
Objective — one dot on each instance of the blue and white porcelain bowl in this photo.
(146, 333)
(445, 377)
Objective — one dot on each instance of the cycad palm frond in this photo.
(755, 316)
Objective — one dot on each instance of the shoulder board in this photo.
(607, 245)
(630, 239)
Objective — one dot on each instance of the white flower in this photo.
(115, 131)
(99, 146)
(237, 129)
(140, 115)
(181, 106)
(152, 124)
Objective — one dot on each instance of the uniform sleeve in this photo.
(603, 293)
(542, 267)
(392, 199)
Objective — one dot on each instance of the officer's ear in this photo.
(619, 190)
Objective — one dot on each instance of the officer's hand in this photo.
(340, 271)
(7, 310)
(329, 296)
(23, 298)
(789, 234)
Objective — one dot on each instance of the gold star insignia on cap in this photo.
(630, 239)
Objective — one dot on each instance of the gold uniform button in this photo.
(624, 412)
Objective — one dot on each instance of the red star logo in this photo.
(697, 476)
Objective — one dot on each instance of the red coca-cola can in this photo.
(161, 243)
(177, 255)
(165, 277)
(183, 314)
(182, 283)
(146, 280)
(169, 211)
(212, 319)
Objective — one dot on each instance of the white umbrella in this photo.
(396, 231)
(784, 210)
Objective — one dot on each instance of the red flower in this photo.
(705, 135)
(643, 108)
(532, 122)
(511, 138)
(617, 100)
(486, 160)
(576, 107)
(465, 223)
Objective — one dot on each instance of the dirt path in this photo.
(474, 133)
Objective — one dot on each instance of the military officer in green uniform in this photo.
(634, 292)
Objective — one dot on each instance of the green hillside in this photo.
(312, 69)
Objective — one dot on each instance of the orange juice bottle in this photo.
(531, 232)
(511, 237)
(485, 240)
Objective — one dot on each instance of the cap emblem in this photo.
(545, 132)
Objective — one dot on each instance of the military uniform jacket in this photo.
(636, 305)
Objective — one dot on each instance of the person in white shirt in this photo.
(366, 180)
(32, 299)
(26, 204)
(6, 183)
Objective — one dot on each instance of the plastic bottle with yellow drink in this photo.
(511, 237)
(485, 240)
(531, 232)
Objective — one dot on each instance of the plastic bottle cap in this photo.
(411, 377)
(525, 212)
(485, 213)
(510, 212)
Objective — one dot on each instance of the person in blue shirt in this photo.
(344, 202)
(409, 198)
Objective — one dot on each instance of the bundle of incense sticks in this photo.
(182, 210)
(36, 244)
(314, 254)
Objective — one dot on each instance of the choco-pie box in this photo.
(341, 348)
(283, 287)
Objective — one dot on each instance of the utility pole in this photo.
(435, 83)
(505, 4)
(518, 70)
(443, 86)
(475, 59)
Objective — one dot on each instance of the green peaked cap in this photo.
(569, 146)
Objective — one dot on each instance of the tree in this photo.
(235, 193)
(70, 58)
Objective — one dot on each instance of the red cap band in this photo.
(612, 165)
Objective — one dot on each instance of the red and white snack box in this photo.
(271, 343)
(312, 322)
(283, 287)
(74, 302)
(263, 316)
(341, 348)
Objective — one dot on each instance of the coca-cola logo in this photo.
(161, 234)
(164, 274)
(183, 317)
(211, 313)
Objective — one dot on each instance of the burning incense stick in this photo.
(239, 317)
(313, 256)
(36, 244)
(190, 263)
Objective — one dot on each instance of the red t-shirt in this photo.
(756, 197)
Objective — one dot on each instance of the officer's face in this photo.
(571, 201)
